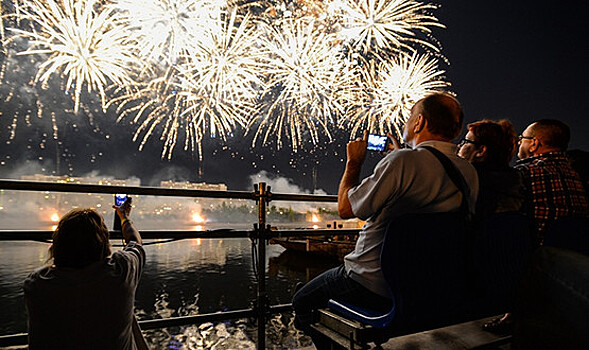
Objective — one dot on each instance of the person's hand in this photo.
(124, 210)
(356, 150)
(394, 144)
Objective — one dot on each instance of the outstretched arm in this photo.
(129, 231)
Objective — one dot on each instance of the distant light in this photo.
(54, 227)
(55, 217)
(198, 219)
(315, 218)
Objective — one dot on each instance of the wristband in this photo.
(125, 220)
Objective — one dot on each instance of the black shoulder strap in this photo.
(456, 177)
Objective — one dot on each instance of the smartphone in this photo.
(119, 200)
(377, 143)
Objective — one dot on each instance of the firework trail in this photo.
(376, 25)
(306, 71)
(162, 30)
(388, 90)
(83, 43)
(290, 73)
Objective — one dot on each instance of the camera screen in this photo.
(376, 143)
(120, 199)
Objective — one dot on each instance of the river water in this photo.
(181, 278)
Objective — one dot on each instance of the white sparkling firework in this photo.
(388, 90)
(220, 81)
(212, 92)
(83, 44)
(305, 69)
(374, 25)
(162, 30)
(150, 103)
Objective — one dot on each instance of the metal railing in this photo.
(260, 233)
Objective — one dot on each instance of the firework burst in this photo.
(376, 25)
(388, 90)
(163, 30)
(305, 69)
(83, 43)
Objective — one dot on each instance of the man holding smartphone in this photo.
(405, 181)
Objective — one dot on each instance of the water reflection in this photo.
(182, 278)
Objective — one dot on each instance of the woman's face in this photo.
(469, 149)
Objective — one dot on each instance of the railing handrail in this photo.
(27, 235)
(22, 185)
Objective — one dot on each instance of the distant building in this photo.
(49, 204)
(185, 185)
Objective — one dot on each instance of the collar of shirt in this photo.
(543, 156)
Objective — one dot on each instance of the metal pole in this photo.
(261, 300)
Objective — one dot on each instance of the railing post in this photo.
(263, 196)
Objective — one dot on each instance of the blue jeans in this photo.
(332, 284)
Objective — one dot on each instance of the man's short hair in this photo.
(443, 114)
(81, 238)
(552, 133)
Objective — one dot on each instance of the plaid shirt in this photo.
(553, 189)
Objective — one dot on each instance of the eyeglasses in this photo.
(522, 137)
(464, 141)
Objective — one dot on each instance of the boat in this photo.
(336, 246)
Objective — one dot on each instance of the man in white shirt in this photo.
(405, 181)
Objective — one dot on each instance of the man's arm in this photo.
(356, 152)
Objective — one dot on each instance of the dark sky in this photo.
(522, 60)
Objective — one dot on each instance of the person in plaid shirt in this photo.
(553, 189)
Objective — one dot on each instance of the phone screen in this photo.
(377, 143)
(120, 199)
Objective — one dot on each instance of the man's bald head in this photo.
(443, 114)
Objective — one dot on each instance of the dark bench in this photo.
(440, 273)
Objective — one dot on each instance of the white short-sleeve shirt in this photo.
(405, 181)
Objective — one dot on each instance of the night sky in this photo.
(521, 60)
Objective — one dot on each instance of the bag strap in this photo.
(456, 177)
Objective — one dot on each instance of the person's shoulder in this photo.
(132, 249)
(36, 276)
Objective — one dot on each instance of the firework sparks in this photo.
(388, 90)
(306, 73)
(212, 91)
(149, 104)
(162, 30)
(194, 67)
(219, 82)
(374, 25)
(82, 43)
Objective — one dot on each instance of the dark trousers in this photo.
(332, 284)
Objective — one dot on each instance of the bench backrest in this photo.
(441, 271)
(426, 263)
